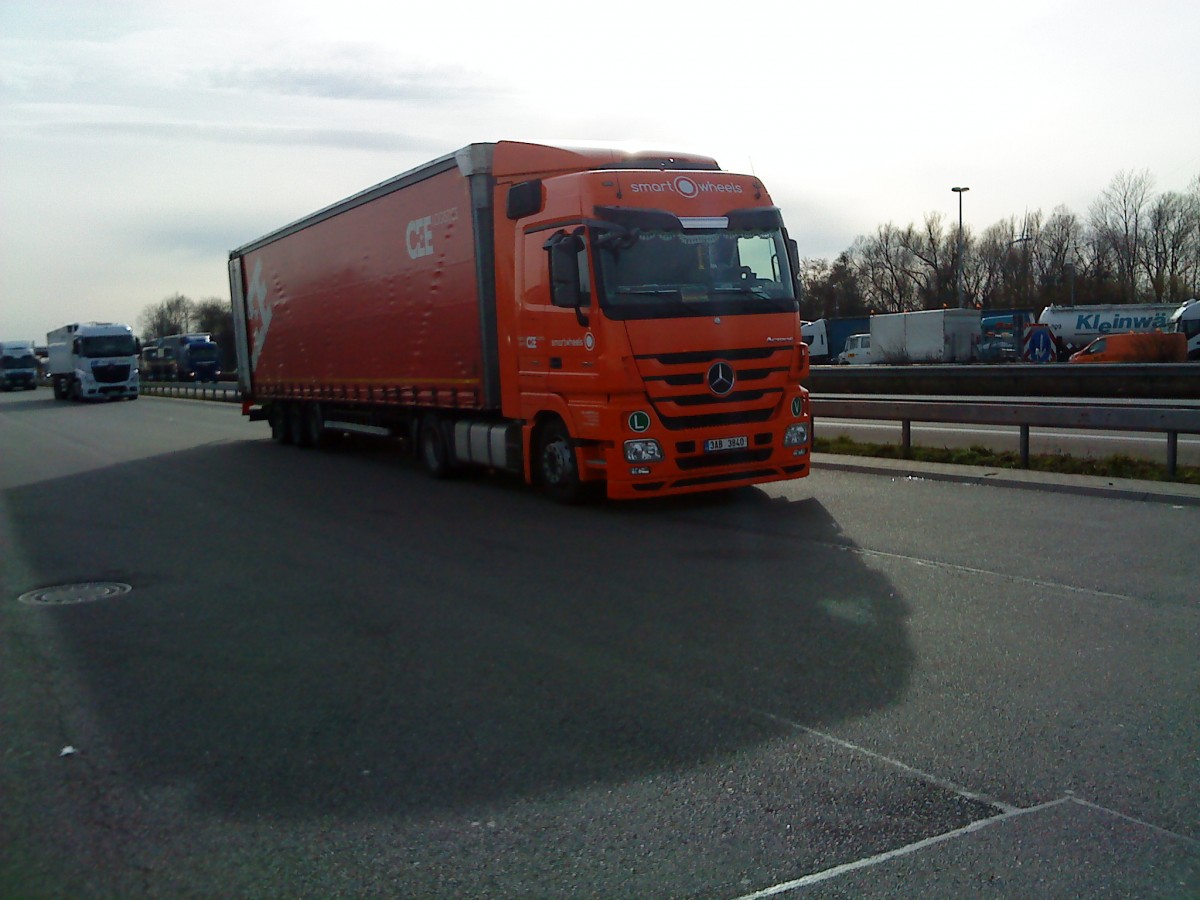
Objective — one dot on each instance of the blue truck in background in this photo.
(183, 357)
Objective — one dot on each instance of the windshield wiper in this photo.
(757, 290)
(648, 291)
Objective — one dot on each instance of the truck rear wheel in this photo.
(435, 454)
(312, 423)
(277, 418)
(297, 432)
(558, 470)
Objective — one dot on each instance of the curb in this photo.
(1023, 479)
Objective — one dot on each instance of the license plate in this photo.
(731, 443)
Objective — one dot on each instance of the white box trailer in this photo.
(927, 336)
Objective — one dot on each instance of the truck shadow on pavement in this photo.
(315, 633)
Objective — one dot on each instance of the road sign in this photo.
(1037, 344)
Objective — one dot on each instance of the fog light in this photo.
(796, 435)
(644, 450)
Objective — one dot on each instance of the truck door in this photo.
(557, 352)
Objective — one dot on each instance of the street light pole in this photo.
(958, 291)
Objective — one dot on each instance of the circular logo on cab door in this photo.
(720, 378)
(686, 187)
(589, 341)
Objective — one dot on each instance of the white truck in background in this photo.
(1074, 327)
(926, 336)
(93, 361)
(18, 366)
(857, 352)
(1186, 319)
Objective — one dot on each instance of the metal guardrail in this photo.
(1171, 420)
(1160, 381)
(1096, 416)
(221, 391)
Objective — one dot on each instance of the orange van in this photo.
(1155, 346)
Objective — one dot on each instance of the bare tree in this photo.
(830, 289)
(1133, 247)
(172, 315)
(215, 316)
(884, 266)
(1168, 254)
(931, 259)
(1060, 256)
(1117, 219)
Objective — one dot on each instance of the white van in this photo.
(857, 352)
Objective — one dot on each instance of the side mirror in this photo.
(793, 252)
(564, 269)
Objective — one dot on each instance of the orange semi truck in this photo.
(590, 320)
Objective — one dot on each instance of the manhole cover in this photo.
(67, 594)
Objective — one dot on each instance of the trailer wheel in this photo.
(297, 430)
(277, 417)
(558, 470)
(312, 424)
(435, 454)
(60, 389)
(75, 391)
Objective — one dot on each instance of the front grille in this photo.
(111, 374)
(677, 386)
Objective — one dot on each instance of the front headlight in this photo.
(643, 450)
(796, 435)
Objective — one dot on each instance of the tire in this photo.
(434, 450)
(557, 466)
(75, 391)
(312, 423)
(277, 417)
(60, 392)
(297, 432)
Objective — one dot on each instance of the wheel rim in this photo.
(555, 461)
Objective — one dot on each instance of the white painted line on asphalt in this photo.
(817, 877)
(927, 777)
(1166, 832)
(1006, 576)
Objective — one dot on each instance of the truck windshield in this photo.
(202, 352)
(646, 274)
(18, 362)
(102, 345)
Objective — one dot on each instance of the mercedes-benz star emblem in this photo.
(720, 378)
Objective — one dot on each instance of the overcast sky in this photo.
(141, 141)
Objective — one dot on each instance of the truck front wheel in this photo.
(558, 469)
